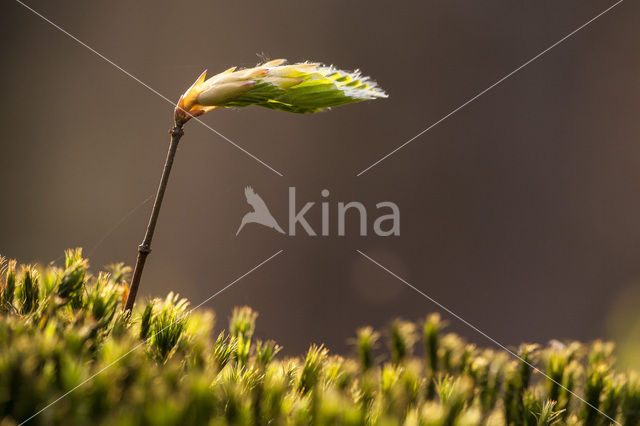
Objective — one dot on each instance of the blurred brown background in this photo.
(520, 212)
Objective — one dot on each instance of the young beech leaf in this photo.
(301, 88)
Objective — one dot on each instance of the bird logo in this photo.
(260, 213)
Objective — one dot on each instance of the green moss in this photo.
(64, 341)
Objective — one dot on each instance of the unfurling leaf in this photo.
(301, 88)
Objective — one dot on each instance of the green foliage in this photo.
(63, 332)
(402, 338)
(631, 400)
(431, 333)
(8, 287)
(366, 341)
(28, 290)
(328, 87)
(310, 371)
(547, 415)
(168, 325)
(300, 88)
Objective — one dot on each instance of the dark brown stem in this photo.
(145, 248)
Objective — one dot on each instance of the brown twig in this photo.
(145, 248)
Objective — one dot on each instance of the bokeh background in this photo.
(520, 212)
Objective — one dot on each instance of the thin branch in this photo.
(145, 248)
